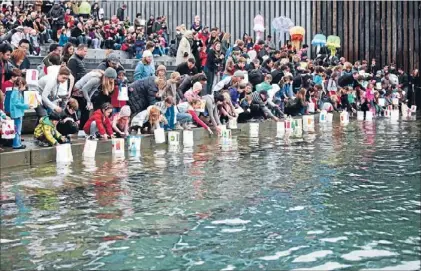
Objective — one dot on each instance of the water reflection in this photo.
(342, 197)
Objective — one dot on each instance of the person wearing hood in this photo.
(144, 68)
(57, 16)
(112, 61)
(120, 122)
(75, 63)
(184, 51)
(161, 72)
(46, 133)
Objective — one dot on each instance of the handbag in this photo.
(8, 129)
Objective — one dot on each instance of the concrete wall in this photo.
(37, 156)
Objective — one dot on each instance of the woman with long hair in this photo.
(93, 90)
(67, 53)
(225, 43)
(17, 58)
(214, 65)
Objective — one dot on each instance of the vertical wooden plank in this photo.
(367, 30)
(399, 53)
(273, 15)
(314, 18)
(417, 25)
(329, 15)
(350, 27)
(372, 31)
(406, 55)
(334, 18)
(319, 17)
(410, 34)
(268, 19)
(309, 16)
(383, 34)
(378, 46)
(345, 27)
(388, 25)
(356, 30)
(394, 32)
(340, 23)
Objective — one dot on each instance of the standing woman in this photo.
(415, 86)
(92, 90)
(225, 43)
(214, 65)
(184, 51)
(196, 48)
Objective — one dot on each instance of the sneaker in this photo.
(186, 126)
(21, 147)
(179, 127)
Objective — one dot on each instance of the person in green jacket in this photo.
(46, 133)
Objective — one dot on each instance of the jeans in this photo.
(18, 131)
(170, 115)
(93, 129)
(82, 40)
(184, 118)
(96, 44)
(210, 75)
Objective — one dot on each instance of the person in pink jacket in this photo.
(193, 93)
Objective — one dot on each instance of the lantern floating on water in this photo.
(333, 43)
(297, 36)
(319, 40)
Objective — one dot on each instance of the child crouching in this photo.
(46, 133)
(99, 124)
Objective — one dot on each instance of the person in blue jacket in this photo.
(145, 67)
(17, 110)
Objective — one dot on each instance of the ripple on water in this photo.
(312, 257)
(281, 254)
(358, 255)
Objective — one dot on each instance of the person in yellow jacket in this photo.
(85, 9)
(46, 133)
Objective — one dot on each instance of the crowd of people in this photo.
(215, 82)
(82, 22)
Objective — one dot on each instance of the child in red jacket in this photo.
(99, 124)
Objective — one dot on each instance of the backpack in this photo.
(256, 77)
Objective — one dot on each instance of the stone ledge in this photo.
(36, 155)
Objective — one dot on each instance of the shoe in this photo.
(179, 127)
(186, 126)
(21, 147)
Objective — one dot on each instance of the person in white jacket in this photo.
(184, 49)
(54, 92)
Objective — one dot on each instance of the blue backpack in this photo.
(7, 97)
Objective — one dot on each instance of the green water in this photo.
(343, 198)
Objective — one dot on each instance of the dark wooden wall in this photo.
(386, 30)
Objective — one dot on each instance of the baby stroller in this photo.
(173, 49)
